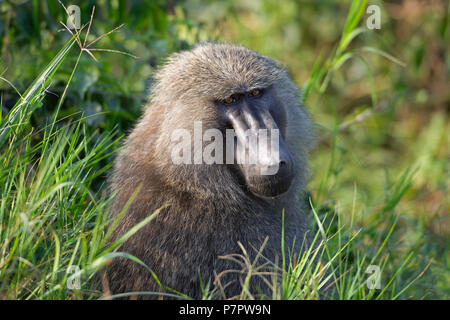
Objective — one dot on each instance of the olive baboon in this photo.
(211, 208)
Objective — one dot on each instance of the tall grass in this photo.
(52, 224)
(53, 216)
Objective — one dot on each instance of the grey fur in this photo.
(209, 212)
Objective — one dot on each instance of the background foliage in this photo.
(381, 106)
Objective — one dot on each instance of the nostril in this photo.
(283, 167)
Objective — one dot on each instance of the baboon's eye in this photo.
(255, 93)
(231, 99)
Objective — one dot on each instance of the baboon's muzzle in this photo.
(260, 151)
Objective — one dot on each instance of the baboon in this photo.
(213, 210)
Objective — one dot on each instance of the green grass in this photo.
(54, 159)
(51, 219)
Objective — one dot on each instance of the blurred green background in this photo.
(379, 114)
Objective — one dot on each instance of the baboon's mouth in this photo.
(270, 186)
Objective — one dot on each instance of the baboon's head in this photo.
(234, 90)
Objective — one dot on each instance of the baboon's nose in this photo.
(280, 166)
(270, 181)
(261, 151)
(284, 167)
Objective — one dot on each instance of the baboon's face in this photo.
(231, 87)
(258, 112)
